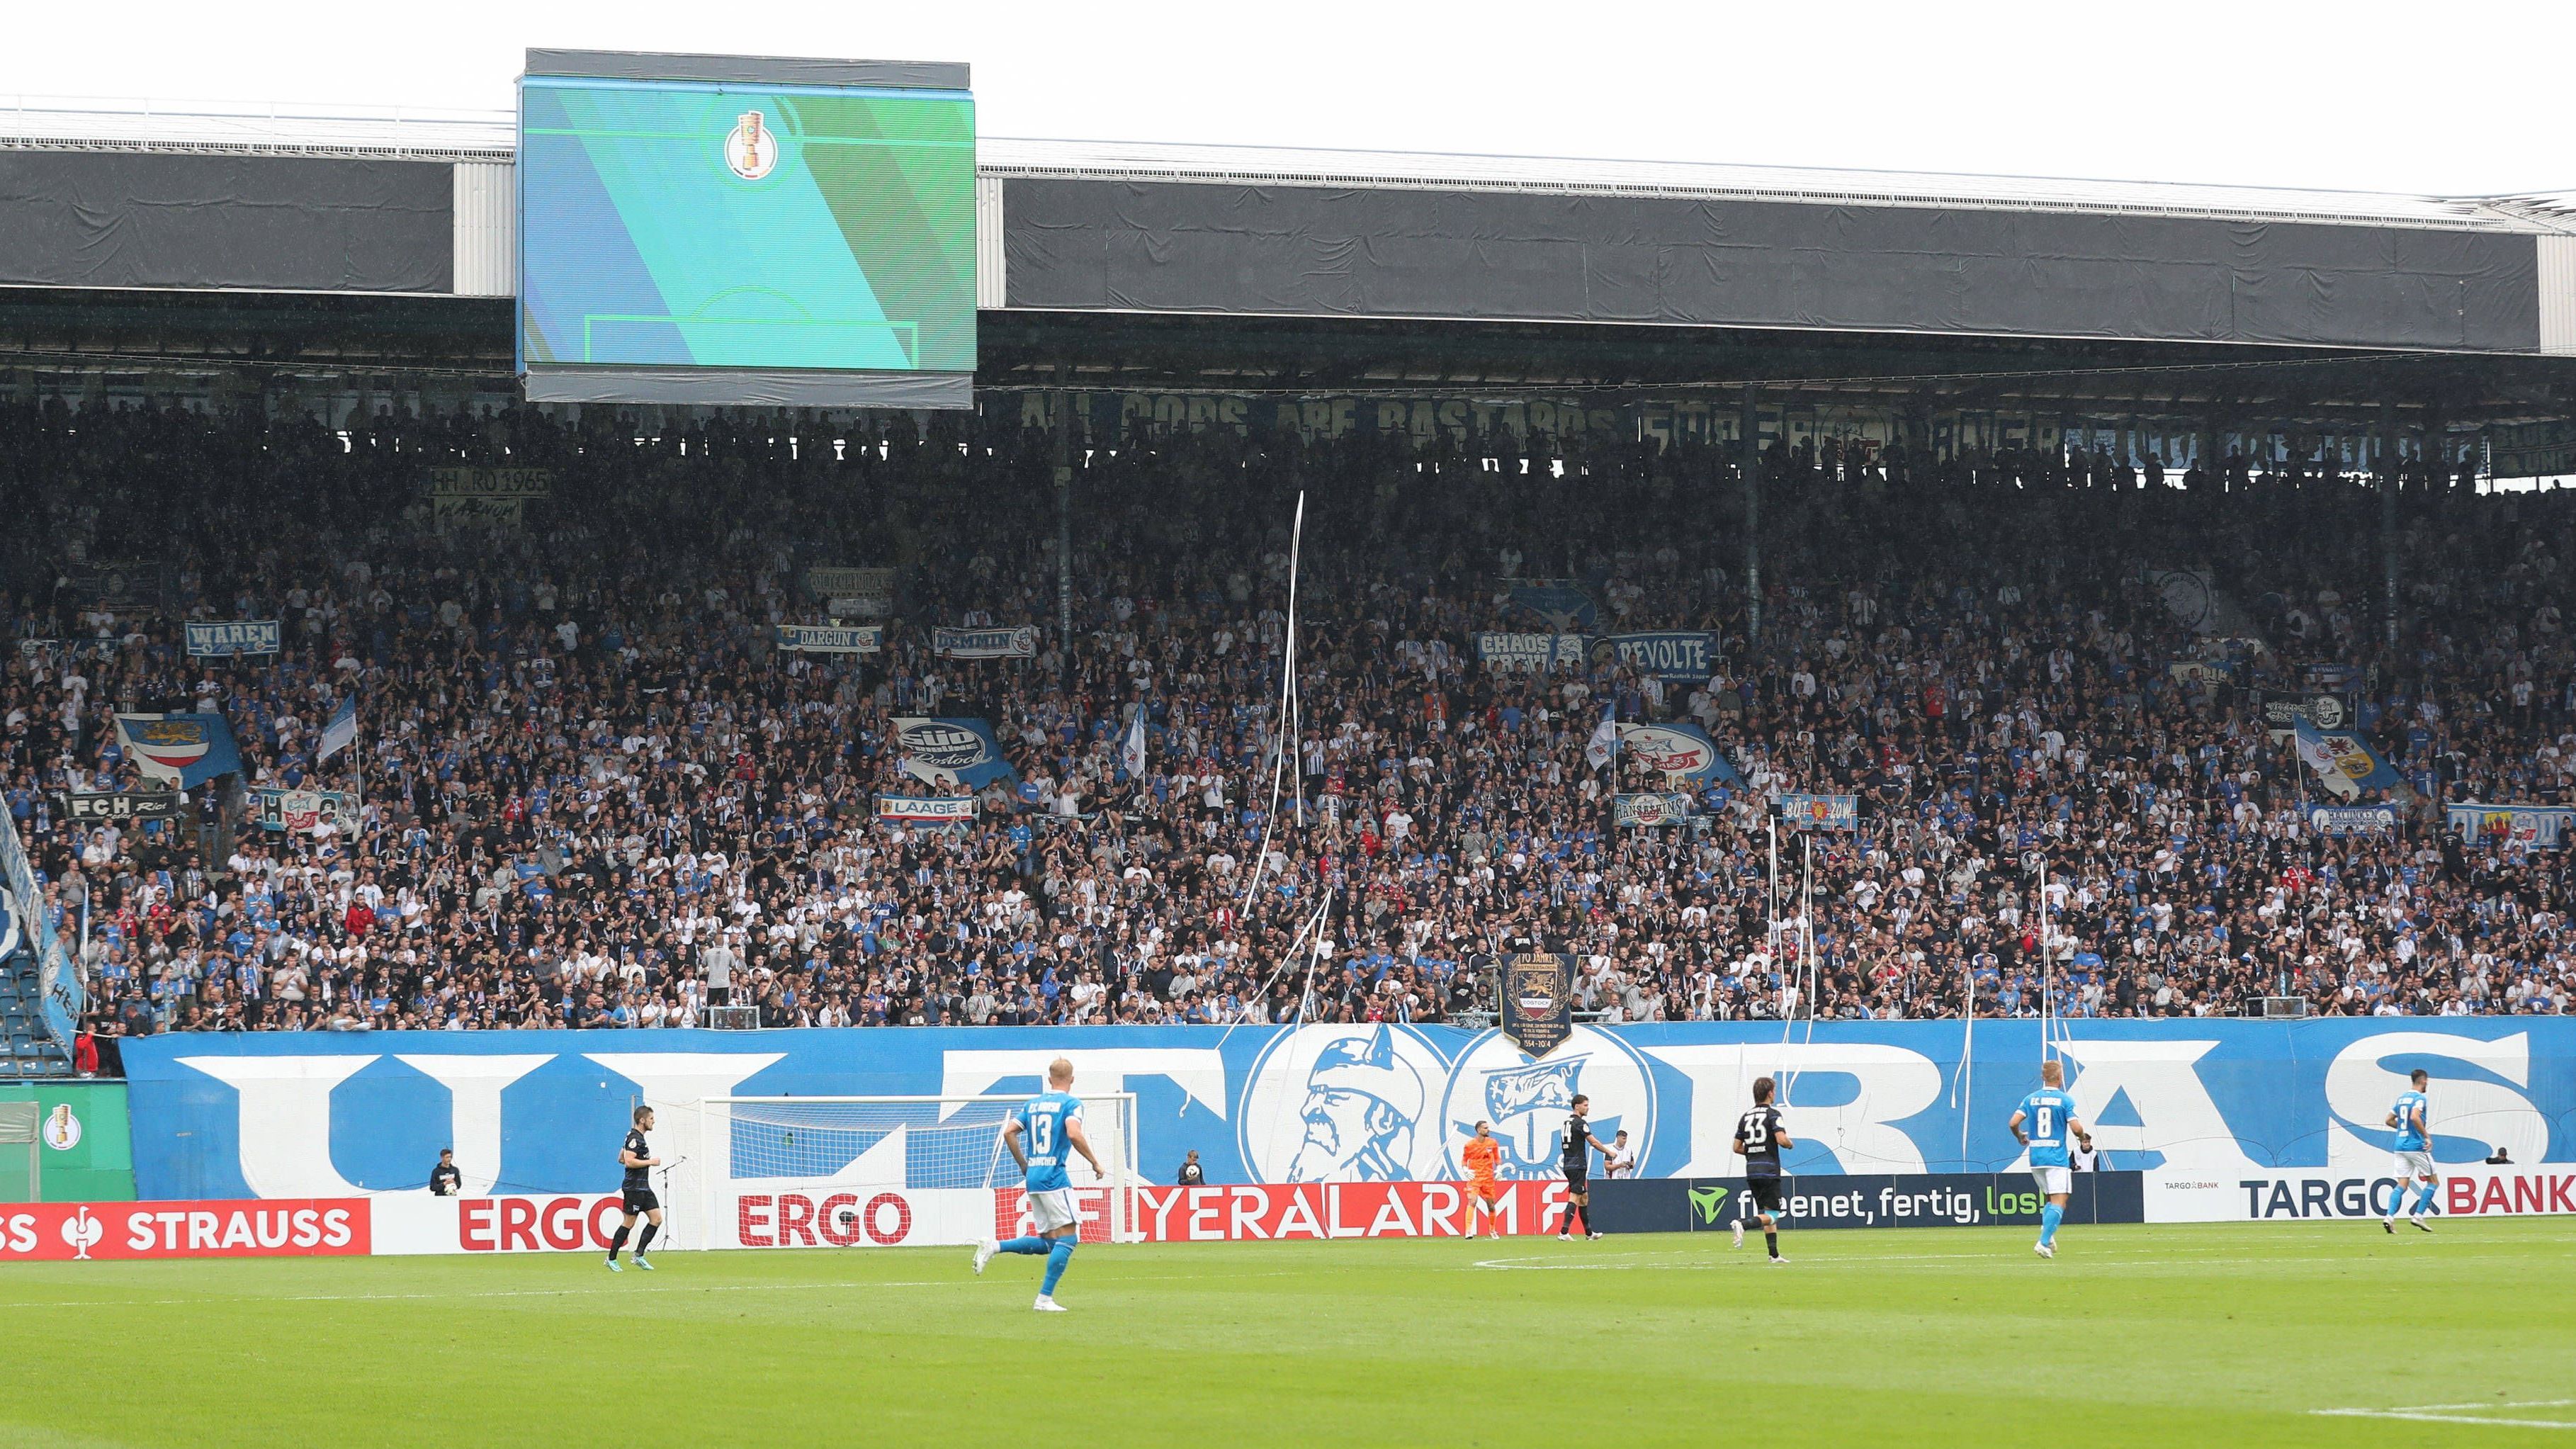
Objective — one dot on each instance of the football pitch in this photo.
(2252, 1334)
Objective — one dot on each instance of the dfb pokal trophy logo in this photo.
(751, 150)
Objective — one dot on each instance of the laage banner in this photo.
(1647, 809)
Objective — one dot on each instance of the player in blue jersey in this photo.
(2413, 1119)
(1041, 1134)
(2045, 1122)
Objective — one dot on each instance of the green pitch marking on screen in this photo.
(694, 224)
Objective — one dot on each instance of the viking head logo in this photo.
(1362, 1101)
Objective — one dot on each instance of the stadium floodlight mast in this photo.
(1284, 739)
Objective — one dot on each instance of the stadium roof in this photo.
(236, 128)
(1277, 166)
(210, 197)
(227, 128)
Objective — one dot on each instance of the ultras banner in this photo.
(2197, 1106)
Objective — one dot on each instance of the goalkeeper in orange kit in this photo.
(1483, 1156)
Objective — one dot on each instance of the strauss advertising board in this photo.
(2222, 1120)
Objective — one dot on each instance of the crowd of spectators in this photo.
(595, 793)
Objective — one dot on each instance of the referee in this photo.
(1758, 1140)
(638, 1160)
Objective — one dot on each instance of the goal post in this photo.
(797, 1171)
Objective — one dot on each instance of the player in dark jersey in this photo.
(1758, 1140)
(1580, 1144)
(636, 1156)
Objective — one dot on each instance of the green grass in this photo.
(2196, 1336)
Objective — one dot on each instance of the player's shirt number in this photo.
(2046, 1125)
(1042, 1132)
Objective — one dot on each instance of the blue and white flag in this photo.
(242, 636)
(1603, 747)
(340, 733)
(952, 754)
(1562, 606)
(1132, 755)
(185, 750)
(2342, 762)
(1679, 750)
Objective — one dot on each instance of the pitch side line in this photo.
(2442, 1414)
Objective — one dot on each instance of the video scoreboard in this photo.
(740, 230)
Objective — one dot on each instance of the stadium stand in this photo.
(2068, 495)
(589, 775)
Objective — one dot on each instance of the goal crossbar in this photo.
(757, 1167)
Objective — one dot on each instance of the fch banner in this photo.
(1675, 654)
(2216, 1114)
(2540, 825)
(1020, 641)
(246, 636)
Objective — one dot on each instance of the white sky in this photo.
(2460, 97)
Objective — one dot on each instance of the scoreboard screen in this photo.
(710, 229)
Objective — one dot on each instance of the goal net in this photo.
(860, 1171)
